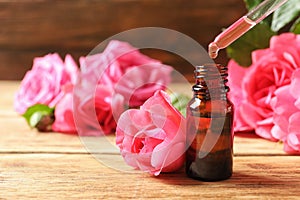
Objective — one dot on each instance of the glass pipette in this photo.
(242, 25)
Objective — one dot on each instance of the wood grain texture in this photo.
(57, 166)
(67, 176)
(35, 28)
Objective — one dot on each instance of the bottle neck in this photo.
(211, 82)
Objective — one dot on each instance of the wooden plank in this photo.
(46, 24)
(16, 136)
(249, 144)
(82, 177)
(8, 90)
(15, 63)
(34, 28)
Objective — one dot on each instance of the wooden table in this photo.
(57, 166)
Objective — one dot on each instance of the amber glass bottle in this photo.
(209, 126)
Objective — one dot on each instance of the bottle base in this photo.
(215, 166)
(205, 179)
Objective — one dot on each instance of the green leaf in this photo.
(285, 14)
(296, 27)
(35, 113)
(180, 101)
(257, 38)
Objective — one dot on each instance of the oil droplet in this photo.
(213, 50)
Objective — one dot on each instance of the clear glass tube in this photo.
(243, 25)
(264, 9)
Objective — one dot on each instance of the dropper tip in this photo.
(213, 50)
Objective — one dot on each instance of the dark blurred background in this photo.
(31, 28)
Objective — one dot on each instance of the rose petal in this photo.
(239, 122)
(249, 115)
(235, 76)
(140, 83)
(295, 84)
(264, 128)
(278, 133)
(283, 108)
(165, 155)
(64, 120)
(294, 123)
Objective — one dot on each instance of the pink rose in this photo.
(271, 69)
(286, 106)
(64, 120)
(108, 67)
(152, 139)
(43, 83)
(140, 83)
(96, 113)
(130, 73)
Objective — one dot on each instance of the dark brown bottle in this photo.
(209, 126)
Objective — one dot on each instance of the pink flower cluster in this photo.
(267, 94)
(106, 82)
(120, 75)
